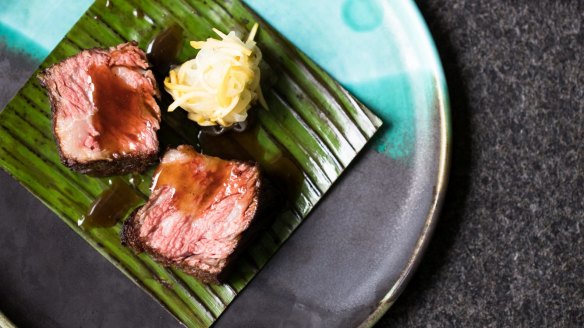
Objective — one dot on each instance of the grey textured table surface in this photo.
(509, 247)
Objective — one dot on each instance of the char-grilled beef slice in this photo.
(105, 114)
(201, 213)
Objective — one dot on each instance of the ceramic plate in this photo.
(349, 261)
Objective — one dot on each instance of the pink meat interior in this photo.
(199, 207)
(104, 104)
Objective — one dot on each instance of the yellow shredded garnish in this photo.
(219, 85)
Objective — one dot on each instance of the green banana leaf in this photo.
(311, 119)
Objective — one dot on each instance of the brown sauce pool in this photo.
(251, 144)
(111, 206)
(163, 50)
(195, 189)
(254, 144)
(119, 117)
(245, 141)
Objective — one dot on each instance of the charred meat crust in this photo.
(102, 168)
(106, 167)
(267, 204)
(119, 166)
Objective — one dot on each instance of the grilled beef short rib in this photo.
(105, 115)
(201, 213)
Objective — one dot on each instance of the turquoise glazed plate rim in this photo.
(380, 50)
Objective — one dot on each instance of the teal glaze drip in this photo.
(362, 15)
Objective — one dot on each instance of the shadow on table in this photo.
(448, 225)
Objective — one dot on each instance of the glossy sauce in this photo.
(138, 13)
(112, 205)
(163, 50)
(119, 116)
(162, 54)
(113, 97)
(196, 181)
(254, 144)
(245, 141)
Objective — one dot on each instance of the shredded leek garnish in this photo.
(221, 83)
